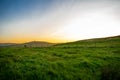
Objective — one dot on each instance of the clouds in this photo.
(89, 20)
(64, 20)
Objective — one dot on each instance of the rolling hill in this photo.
(113, 41)
(92, 59)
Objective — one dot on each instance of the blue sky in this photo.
(12, 8)
(58, 20)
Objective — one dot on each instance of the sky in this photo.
(58, 20)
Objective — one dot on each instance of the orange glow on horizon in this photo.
(24, 40)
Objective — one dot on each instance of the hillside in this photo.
(97, 42)
(92, 59)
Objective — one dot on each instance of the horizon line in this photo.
(60, 41)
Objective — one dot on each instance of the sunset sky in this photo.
(58, 20)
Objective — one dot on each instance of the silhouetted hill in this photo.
(37, 44)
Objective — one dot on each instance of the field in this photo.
(93, 59)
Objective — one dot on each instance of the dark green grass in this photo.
(82, 60)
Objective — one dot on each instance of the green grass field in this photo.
(94, 59)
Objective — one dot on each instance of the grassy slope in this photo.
(96, 59)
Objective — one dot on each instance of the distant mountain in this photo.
(7, 44)
(27, 44)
